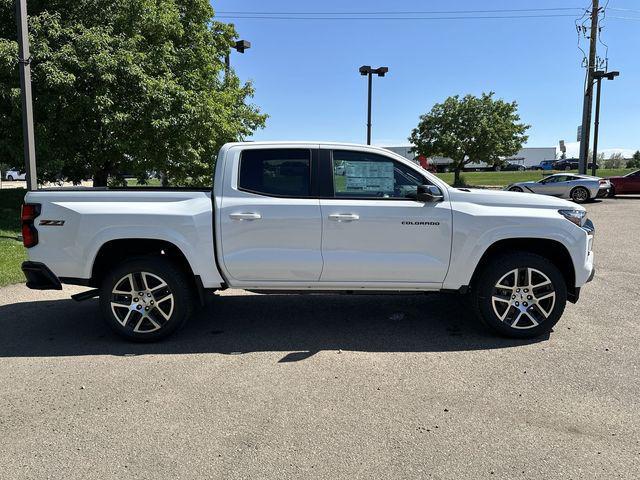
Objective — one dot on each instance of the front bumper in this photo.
(39, 277)
(585, 271)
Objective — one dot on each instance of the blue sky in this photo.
(306, 71)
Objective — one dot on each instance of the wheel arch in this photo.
(116, 251)
(587, 189)
(552, 250)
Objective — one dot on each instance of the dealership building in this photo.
(528, 156)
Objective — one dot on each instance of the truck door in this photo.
(271, 227)
(374, 230)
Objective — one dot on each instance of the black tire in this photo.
(612, 192)
(568, 167)
(579, 195)
(162, 318)
(521, 169)
(10, 178)
(514, 323)
(516, 189)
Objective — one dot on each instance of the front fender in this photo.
(475, 234)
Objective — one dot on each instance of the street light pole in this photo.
(368, 71)
(370, 83)
(599, 75)
(240, 46)
(596, 124)
(24, 60)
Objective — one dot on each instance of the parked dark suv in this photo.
(569, 164)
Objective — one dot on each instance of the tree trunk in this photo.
(456, 176)
(100, 178)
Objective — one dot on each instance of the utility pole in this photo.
(588, 94)
(24, 60)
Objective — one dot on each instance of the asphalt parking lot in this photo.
(330, 386)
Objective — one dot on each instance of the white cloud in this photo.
(573, 150)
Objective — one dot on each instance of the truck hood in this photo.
(509, 199)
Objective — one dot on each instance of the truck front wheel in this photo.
(520, 295)
(146, 299)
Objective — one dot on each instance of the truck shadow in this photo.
(297, 325)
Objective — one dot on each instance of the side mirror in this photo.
(429, 193)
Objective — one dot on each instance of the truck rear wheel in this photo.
(146, 299)
(520, 295)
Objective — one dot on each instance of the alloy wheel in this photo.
(523, 298)
(142, 302)
(580, 194)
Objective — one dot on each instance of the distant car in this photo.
(629, 183)
(578, 188)
(570, 164)
(544, 165)
(14, 174)
(509, 167)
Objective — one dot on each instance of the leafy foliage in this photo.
(132, 86)
(635, 160)
(616, 160)
(470, 129)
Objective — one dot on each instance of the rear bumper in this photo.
(39, 277)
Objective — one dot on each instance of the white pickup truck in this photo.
(309, 218)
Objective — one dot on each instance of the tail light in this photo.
(603, 182)
(29, 233)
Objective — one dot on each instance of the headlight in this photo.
(575, 216)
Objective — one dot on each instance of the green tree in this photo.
(616, 160)
(635, 160)
(470, 129)
(133, 86)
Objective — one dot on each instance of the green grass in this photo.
(12, 253)
(152, 182)
(502, 179)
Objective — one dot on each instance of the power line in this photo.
(489, 17)
(432, 12)
(624, 10)
(625, 18)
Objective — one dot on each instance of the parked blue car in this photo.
(544, 165)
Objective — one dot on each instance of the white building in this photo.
(528, 156)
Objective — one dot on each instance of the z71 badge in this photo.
(52, 223)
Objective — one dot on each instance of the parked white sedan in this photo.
(14, 174)
(578, 188)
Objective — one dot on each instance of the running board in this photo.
(79, 297)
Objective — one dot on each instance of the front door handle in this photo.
(344, 217)
(245, 216)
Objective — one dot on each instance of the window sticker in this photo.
(369, 176)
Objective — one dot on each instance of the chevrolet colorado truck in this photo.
(309, 218)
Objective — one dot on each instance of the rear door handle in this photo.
(344, 217)
(245, 216)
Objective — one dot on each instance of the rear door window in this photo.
(279, 172)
